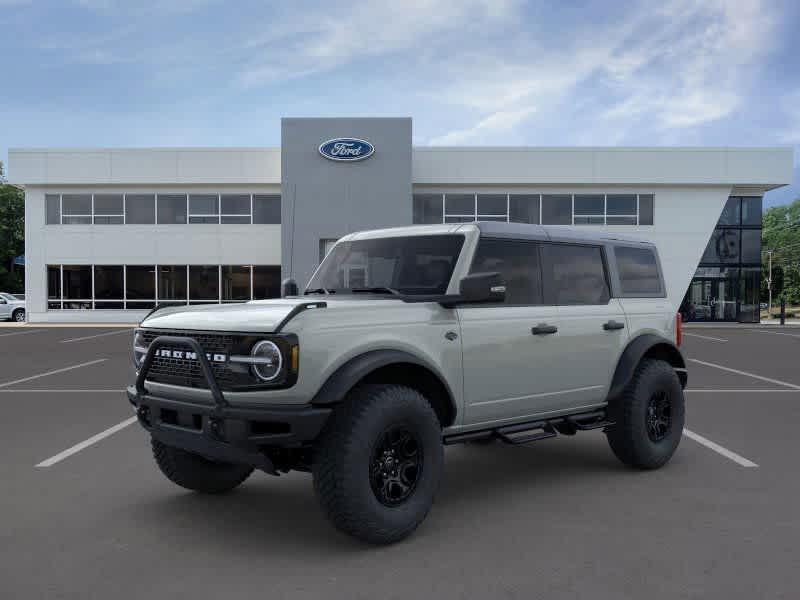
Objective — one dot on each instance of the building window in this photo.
(133, 287)
(140, 209)
(53, 209)
(235, 209)
(428, 208)
(76, 209)
(325, 246)
(547, 209)
(171, 209)
(203, 283)
(109, 209)
(266, 209)
(204, 208)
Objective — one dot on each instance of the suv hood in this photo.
(258, 316)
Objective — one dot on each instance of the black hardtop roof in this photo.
(552, 233)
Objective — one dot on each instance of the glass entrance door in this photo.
(711, 300)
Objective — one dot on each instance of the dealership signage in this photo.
(346, 149)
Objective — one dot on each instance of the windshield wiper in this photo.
(375, 290)
(320, 290)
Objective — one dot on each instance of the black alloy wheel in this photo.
(659, 416)
(395, 466)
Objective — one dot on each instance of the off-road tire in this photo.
(345, 454)
(197, 473)
(18, 315)
(629, 437)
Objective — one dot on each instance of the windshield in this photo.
(420, 264)
(8, 297)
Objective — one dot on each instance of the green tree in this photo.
(781, 235)
(12, 235)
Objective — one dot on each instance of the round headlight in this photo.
(139, 347)
(267, 360)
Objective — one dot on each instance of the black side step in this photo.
(531, 431)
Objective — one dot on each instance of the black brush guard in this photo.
(220, 431)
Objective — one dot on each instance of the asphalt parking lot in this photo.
(558, 519)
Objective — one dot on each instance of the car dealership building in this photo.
(111, 233)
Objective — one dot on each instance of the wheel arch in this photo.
(646, 346)
(390, 366)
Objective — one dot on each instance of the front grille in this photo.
(188, 373)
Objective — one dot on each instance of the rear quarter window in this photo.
(638, 271)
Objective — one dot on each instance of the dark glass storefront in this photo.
(727, 282)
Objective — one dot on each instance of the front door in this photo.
(711, 300)
(5, 308)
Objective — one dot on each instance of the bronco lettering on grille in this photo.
(187, 355)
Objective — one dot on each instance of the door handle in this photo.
(612, 325)
(543, 329)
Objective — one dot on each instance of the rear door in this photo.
(5, 308)
(510, 371)
(592, 325)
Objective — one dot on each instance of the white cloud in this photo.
(496, 122)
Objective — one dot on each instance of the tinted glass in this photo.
(171, 209)
(411, 265)
(751, 246)
(235, 283)
(517, 262)
(203, 204)
(492, 204)
(574, 275)
(203, 282)
(140, 282)
(621, 204)
(557, 209)
(459, 204)
(266, 209)
(427, 209)
(612, 220)
(53, 281)
(235, 204)
(76, 204)
(638, 270)
(730, 214)
(108, 204)
(78, 282)
(524, 208)
(266, 281)
(108, 282)
(591, 204)
(749, 295)
(172, 282)
(140, 209)
(723, 247)
(53, 208)
(646, 209)
(751, 211)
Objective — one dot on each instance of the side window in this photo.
(638, 271)
(574, 274)
(517, 262)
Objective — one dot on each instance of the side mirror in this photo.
(288, 288)
(482, 287)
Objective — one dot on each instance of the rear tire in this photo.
(18, 315)
(378, 463)
(648, 416)
(197, 473)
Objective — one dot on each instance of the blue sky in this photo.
(470, 72)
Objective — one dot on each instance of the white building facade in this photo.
(111, 233)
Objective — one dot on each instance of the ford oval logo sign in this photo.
(345, 149)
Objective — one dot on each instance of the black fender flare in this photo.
(648, 344)
(354, 370)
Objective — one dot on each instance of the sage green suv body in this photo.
(407, 339)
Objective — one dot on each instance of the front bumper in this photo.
(220, 431)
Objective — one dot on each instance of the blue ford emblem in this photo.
(346, 149)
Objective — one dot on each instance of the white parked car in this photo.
(12, 308)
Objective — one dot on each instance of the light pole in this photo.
(769, 285)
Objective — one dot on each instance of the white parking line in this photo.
(705, 337)
(91, 337)
(27, 331)
(730, 455)
(24, 379)
(86, 443)
(794, 335)
(745, 373)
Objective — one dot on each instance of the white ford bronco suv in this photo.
(404, 341)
